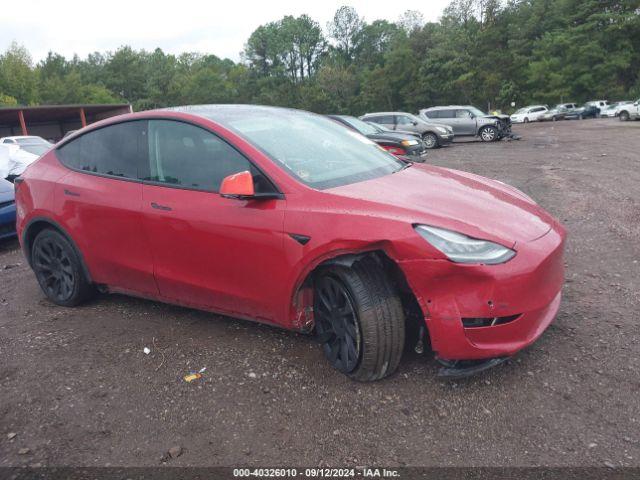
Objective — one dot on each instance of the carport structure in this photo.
(52, 122)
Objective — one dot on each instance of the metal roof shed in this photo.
(53, 121)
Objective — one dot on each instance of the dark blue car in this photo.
(7, 209)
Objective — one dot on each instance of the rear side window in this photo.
(116, 150)
(187, 156)
(382, 119)
(431, 114)
(447, 114)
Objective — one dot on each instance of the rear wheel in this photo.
(624, 116)
(59, 270)
(430, 140)
(489, 134)
(359, 320)
(526, 120)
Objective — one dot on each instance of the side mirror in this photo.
(415, 124)
(635, 104)
(238, 185)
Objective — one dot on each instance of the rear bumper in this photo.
(527, 288)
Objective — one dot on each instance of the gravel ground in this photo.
(76, 387)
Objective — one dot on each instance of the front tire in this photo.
(59, 270)
(359, 320)
(430, 140)
(624, 116)
(489, 134)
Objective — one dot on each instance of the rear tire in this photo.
(624, 116)
(59, 270)
(359, 320)
(489, 134)
(526, 120)
(430, 140)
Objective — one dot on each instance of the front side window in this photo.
(116, 150)
(404, 120)
(463, 114)
(183, 155)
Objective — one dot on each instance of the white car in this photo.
(532, 113)
(17, 153)
(613, 109)
(630, 111)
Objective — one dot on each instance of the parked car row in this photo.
(438, 126)
(625, 110)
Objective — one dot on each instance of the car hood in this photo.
(496, 117)
(455, 200)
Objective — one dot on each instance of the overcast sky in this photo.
(220, 27)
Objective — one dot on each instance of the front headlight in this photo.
(408, 143)
(460, 248)
(441, 129)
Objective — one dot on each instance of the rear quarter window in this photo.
(115, 150)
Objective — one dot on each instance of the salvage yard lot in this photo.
(77, 389)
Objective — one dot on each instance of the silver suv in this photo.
(433, 135)
(467, 120)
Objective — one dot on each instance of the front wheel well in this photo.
(413, 313)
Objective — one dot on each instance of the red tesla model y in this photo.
(285, 217)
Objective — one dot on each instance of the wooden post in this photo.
(23, 125)
(83, 118)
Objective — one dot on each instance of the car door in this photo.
(101, 201)
(407, 124)
(465, 122)
(211, 252)
(536, 113)
(448, 117)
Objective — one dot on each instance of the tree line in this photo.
(488, 53)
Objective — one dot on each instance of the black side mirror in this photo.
(414, 123)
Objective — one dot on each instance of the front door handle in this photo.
(160, 207)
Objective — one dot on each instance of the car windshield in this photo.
(522, 110)
(314, 149)
(363, 127)
(35, 148)
(476, 111)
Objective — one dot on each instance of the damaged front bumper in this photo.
(480, 312)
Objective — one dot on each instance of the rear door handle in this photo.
(160, 207)
(70, 193)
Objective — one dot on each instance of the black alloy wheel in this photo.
(54, 271)
(337, 324)
(59, 270)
